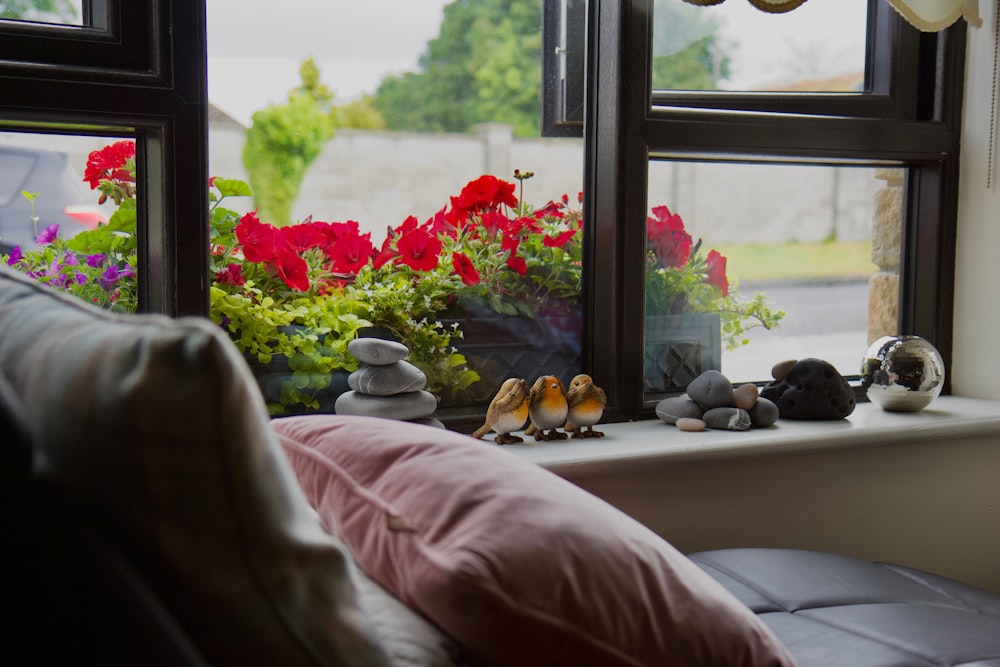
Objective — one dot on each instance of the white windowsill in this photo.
(632, 445)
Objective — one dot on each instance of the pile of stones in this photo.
(711, 401)
(386, 385)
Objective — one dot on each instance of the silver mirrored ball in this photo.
(902, 373)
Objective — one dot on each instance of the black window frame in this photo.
(138, 69)
(909, 116)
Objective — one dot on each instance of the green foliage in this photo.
(484, 66)
(52, 11)
(283, 141)
(687, 54)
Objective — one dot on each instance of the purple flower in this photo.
(95, 260)
(15, 256)
(113, 274)
(48, 235)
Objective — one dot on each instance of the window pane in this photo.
(818, 243)
(818, 47)
(429, 108)
(56, 228)
(62, 12)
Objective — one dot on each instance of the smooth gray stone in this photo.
(403, 407)
(764, 413)
(395, 378)
(678, 407)
(711, 389)
(728, 418)
(377, 351)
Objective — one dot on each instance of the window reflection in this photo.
(60, 12)
(819, 244)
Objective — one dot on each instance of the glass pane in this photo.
(67, 214)
(807, 256)
(62, 12)
(732, 46)
(438, 244)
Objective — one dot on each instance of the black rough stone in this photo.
(812, 390)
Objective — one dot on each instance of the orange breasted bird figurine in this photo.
(586, 406)
(547, 409)
(508, 412)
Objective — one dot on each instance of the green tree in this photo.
(687, 54)
(484, 66)
(55, 11)
(284, 140)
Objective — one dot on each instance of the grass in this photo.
(789, 261)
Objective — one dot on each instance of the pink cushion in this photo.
(518, 565)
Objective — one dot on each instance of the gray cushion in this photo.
(157, 427)
(832, 610)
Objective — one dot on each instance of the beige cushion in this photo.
(157, 427)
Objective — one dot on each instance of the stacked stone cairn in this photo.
(712, 402)
(386, 385)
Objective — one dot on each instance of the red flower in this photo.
(292, 269)
(350, 253)
(560, 240)
(517, 263)
(667, 238)
(259, 239)
(486, 193)
(465, 269)
(303, 236)
(418, 249)
(717, 271)
(108, 163)
(231, 275)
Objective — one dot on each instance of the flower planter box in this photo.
(679, 348)
(499, 348)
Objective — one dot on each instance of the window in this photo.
(904, 120)
(129, 69)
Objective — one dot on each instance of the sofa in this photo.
(156, 515)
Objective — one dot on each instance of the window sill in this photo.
(632, 446)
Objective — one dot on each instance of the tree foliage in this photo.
(55, 11)
(485, 66)
(284, 140)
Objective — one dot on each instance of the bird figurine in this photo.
(547, 409)
(508, 412)
(586, 403)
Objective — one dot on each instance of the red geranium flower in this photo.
(486, 193)
(517, 263)
(670, 242)
(108, 163)
(559, 240)
(231, 275)
(303, 236)
(292, 269)
(717, 271)
(465, 269)
(259, 239)
(418, 250)
(350, 253)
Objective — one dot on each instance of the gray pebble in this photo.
(711, 389)
(386, 380)
(428, 421)
(690, 424)
(402, 407)
(727, 418)
(678, 407)
(764, 413)
(377, 351)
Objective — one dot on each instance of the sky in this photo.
(255, 47)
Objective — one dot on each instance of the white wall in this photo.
(976, 361)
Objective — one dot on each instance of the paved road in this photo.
(823, 320)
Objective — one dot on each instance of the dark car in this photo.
(62, 199)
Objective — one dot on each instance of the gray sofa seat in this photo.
(833, 610)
